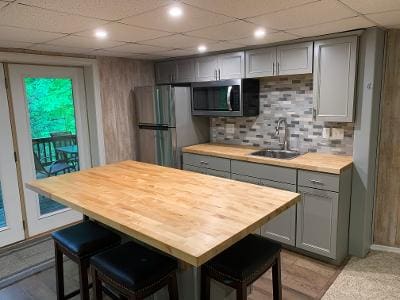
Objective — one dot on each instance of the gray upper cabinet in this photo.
(260, 62)
(334, 79)
(231, 65)
(184, 71)
(206, 68)
(165, 72)
(294, 59)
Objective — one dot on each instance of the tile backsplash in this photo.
(291, 98)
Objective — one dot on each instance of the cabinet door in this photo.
(282, 228)
(334, 79)
(193, 169)
(217, 173)
(317, 214)
(231, 65)
(184, 70)
(260, 62)
(206, 68)
(295, 59)
(165, 72)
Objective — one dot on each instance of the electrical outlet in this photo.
(230, 128)
(326, 133)
(337, 134)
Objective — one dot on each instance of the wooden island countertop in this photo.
(188, 215)
(320, 162)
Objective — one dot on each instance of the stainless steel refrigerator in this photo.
(165, 124)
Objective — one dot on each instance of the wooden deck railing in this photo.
(45, 150)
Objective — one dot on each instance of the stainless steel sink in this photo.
(281, 154)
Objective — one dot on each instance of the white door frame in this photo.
(14, 231)
(17, 72)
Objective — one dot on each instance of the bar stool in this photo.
(242, 264)
(133, 271)
(79, 242)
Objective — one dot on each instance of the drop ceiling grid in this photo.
(143, 30)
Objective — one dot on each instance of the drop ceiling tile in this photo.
(372, 6)
(26, 35)
(248, 8)
(268, 39)
(102, 52)
(12, 44)
(2, 4)
(387, 19)
(36, 18)
(335, 26)
(126, 33)
(177, 41)
(84, 42)
(177, 52)
(228, 31)
(307, 15)
(59, 49)
(192, 18)
(138, 48)
(103, 9)
(221, 46)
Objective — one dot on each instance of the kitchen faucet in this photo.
(285, 144)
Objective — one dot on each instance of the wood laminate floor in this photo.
(302, 278)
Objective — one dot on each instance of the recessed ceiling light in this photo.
(259, 33)
(175, 11)
(202, 48)
(100, 34)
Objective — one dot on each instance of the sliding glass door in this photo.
(49, 105)
(11, 226)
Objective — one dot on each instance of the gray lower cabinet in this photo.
(210, 165)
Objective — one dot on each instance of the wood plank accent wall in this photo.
(387, 200)
(118, 78)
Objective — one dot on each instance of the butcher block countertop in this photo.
(188, 215)
(328, 163)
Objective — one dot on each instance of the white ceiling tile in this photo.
(103, 9)
(40, 19)
(126, 33)
(335, 26)
(228, 31)
(138, 48)
(223, 46)
(2, 4)
(387, 19)
(268, 39)
(84, 42)
(103, 52)
(248, 8)
(310, 14)
(177, 52)
(372, 6)
(177, 41)
(26, 35)
(12, 44)
(192, 18)
(59, 49)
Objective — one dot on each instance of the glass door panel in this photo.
(51, 121)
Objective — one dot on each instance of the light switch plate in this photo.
(326, 133)
(337, 134)
(230, 128)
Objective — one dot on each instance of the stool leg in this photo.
(241, 292)
(58, 255)
(83, 280)
(97, 287)
(276, 278)
(205, 285)
(173, 287)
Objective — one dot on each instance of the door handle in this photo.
(316, 181)
(273, 68)
(204, 162)
(219, 74)
(228, 98)
(277, 68)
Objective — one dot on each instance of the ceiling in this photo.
(143, 29)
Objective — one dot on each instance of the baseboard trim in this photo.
(385, 248)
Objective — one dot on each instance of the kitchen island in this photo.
(190, 216)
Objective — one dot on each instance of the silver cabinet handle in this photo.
(219, 74)
(216, 74)
(204, 162)
(316, 181)
(273, 68)
(277, 68)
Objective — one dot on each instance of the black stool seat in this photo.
(245, 258)
(133, 266)
(86, 238)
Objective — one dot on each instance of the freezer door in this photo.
(165, 105)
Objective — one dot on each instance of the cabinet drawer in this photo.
(279, 185)
(264, 171)
(193, 168)
(218, 173)
(322, 181)
(205, 161)
(245, 178)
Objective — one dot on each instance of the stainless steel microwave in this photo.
(226, 98)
